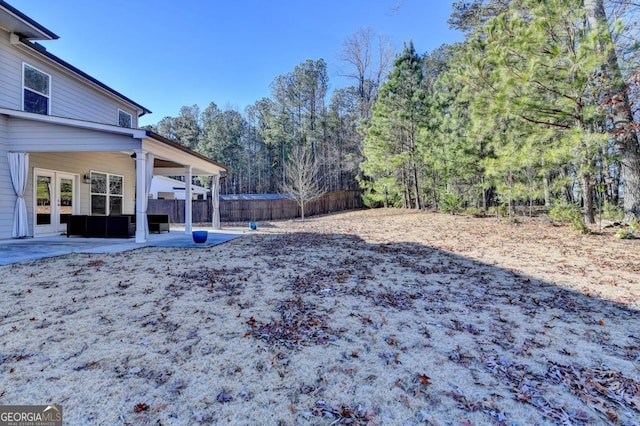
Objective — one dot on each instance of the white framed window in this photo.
(36, 90)
(107, 193)
(124, 118)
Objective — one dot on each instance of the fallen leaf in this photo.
(140, 408)
(424, 379)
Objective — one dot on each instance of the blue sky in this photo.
(166, 54)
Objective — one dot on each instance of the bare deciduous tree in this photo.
(300, 182)
(362, 67)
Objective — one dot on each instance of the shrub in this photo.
(500, 210)
(569, 213)
(624, 234)
(613, 212)
(627, 233)
(370, 201)
(474, 211)
(451, 203)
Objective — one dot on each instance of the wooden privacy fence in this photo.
(251, 208)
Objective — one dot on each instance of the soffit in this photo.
(14, 21)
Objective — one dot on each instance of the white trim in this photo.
(75, 196)
(54, 227)
(40, 34)
(48, 95)
(80, 124)
(107, 194)
(142, 228)
(200, 167)
(45, 229)
(121, 111)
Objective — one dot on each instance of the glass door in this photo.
(65, 200)
(44, 202)
(55, 201)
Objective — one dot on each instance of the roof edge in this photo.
(73, 122)
(43, 51)
(49, 35)
(176, 145)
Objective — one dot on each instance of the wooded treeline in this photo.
(536, 107)
(258, 143)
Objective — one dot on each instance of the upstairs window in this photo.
(36, 90)
(124, 119)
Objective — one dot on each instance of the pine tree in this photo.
(392, 134)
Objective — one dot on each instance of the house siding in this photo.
(26, 135)
(10, 74)
(81, 163)
(70, 96)
(50, 147)
(78, 163)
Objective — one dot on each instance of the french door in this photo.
(55, 200)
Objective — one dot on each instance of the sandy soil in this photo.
(382, 317)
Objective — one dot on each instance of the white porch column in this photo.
(187, 200)
(215, 201)
(141, 196)
(147, 189)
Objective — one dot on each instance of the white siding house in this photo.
(69, 144)
(163, 187)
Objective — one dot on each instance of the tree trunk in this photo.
(616, 94)
(547, 189)
(416, 186)
(587, 198)
(615, 186)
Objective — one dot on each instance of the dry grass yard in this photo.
(383, 317)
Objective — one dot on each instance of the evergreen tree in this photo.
(186, 126)
(392, 134)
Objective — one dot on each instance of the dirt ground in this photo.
(379, 317)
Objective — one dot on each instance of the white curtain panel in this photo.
(147, 189)
(215, 201)
(19, 170)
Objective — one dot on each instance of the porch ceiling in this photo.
(162, 167)
(171, 158)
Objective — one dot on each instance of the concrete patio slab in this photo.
(21, 250)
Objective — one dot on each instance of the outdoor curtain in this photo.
(215, 201)
(19, 170)
(147, 181)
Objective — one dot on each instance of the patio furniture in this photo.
(101, 226)
(119, 226)
(158, 222)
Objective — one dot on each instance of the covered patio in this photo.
(130, 154)
(159, 156)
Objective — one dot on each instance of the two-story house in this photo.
(69, 144)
